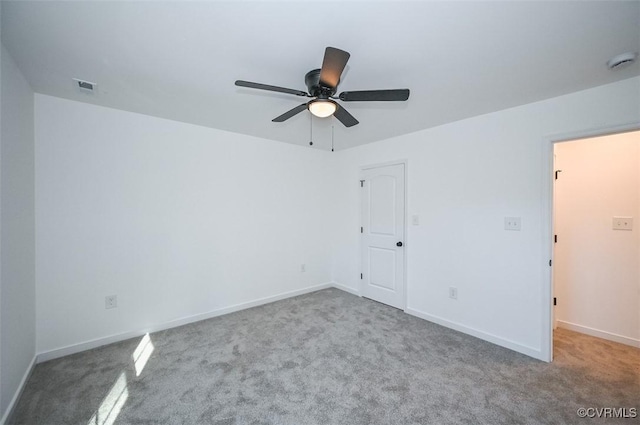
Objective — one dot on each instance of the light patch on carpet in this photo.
(112, 404)
(142, 353)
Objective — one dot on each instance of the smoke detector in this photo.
(85, 86)
(622, 60)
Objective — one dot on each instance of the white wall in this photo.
(17, 282)
(463, 179)
(596, 274)
(176, 220)
(156, 211)
(2, 408)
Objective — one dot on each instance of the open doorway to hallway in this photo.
(596, 226)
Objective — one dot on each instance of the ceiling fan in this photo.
(322, 85)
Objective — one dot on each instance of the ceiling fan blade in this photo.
(259, 86)
(375, 95)
(345, 117)
(332, 66)
(290, 113)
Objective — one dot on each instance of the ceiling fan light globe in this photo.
(322, 108)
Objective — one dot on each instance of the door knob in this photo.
(399, 244)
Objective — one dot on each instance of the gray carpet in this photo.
(329, 358)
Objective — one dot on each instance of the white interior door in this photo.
(383, 234)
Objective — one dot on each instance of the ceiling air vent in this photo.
(85, 86)
(622, 60)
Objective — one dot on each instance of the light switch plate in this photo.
(512, 223)
(622, 223)
(415, 219)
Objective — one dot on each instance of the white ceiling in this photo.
(179, 59)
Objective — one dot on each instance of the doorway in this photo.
(383, 233)
(595, 242)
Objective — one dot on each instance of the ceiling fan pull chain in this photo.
(331, 138)
(310, 130)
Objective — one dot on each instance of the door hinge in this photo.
(550, 263)
(360, 275)
(361, 230)
(555, 238)
(558, 171)
(555, 302)
(361, 183)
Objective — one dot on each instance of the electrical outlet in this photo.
(453, 293)
(111, 301)
(512, 223)
(303, 268)
(622, 223)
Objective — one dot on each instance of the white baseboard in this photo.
(345, 288)
(599, 334)
(18, 393)
(98, 342)
(529, 351)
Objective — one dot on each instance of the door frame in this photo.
(548, 230)
(404, 162)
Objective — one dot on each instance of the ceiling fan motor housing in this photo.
(312, 80)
